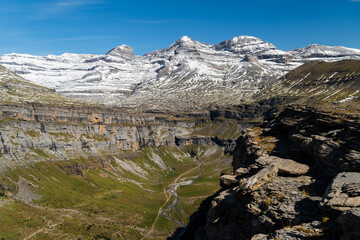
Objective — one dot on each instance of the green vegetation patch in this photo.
(39, 152)
(220, 127)
(33, 133)
(96, 137)
(62, 136)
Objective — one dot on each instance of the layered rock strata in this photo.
(61, 132)
(295, 177)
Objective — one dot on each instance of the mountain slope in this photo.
(15, 89)
(319, 82)
(320, 51)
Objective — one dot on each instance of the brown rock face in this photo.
(228, 180)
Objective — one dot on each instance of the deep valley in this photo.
(264, 144)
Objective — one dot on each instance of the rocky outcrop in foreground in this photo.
(296, 177)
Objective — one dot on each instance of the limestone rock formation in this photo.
(298, 178)
(285, 166)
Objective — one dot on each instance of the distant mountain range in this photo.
(186, 75)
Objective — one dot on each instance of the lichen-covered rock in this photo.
(256, 181)
(260, 236)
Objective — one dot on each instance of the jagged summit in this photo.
(186, 40)
(245, 39)
(122, 50)
(244, 45)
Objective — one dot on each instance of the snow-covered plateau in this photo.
(187, 74)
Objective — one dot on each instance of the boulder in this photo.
(241, 171)
(228, 180)
(250, 58)
(311, 230)
(286, 166)
(256, 181)
(352, 161)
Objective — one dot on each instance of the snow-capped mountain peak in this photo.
(122, 50)
(187, 74)
(241, 40)
(245, 45)
(319, 51)
(186, 40)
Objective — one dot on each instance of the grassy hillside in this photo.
(319, 82)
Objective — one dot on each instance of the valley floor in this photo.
(54, 200)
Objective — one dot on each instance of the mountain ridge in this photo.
(186, 75)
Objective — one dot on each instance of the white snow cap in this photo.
(186, 40)
(245, 39)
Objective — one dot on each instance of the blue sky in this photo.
(95, 26)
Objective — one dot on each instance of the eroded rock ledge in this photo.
(296, 177)
(36, 132)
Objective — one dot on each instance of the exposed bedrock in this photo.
(60, 133)
(297, 176)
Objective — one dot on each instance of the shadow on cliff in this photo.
(197, 220)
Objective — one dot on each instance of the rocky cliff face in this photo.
(35, 117)
(295, 177)
(63, 131)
